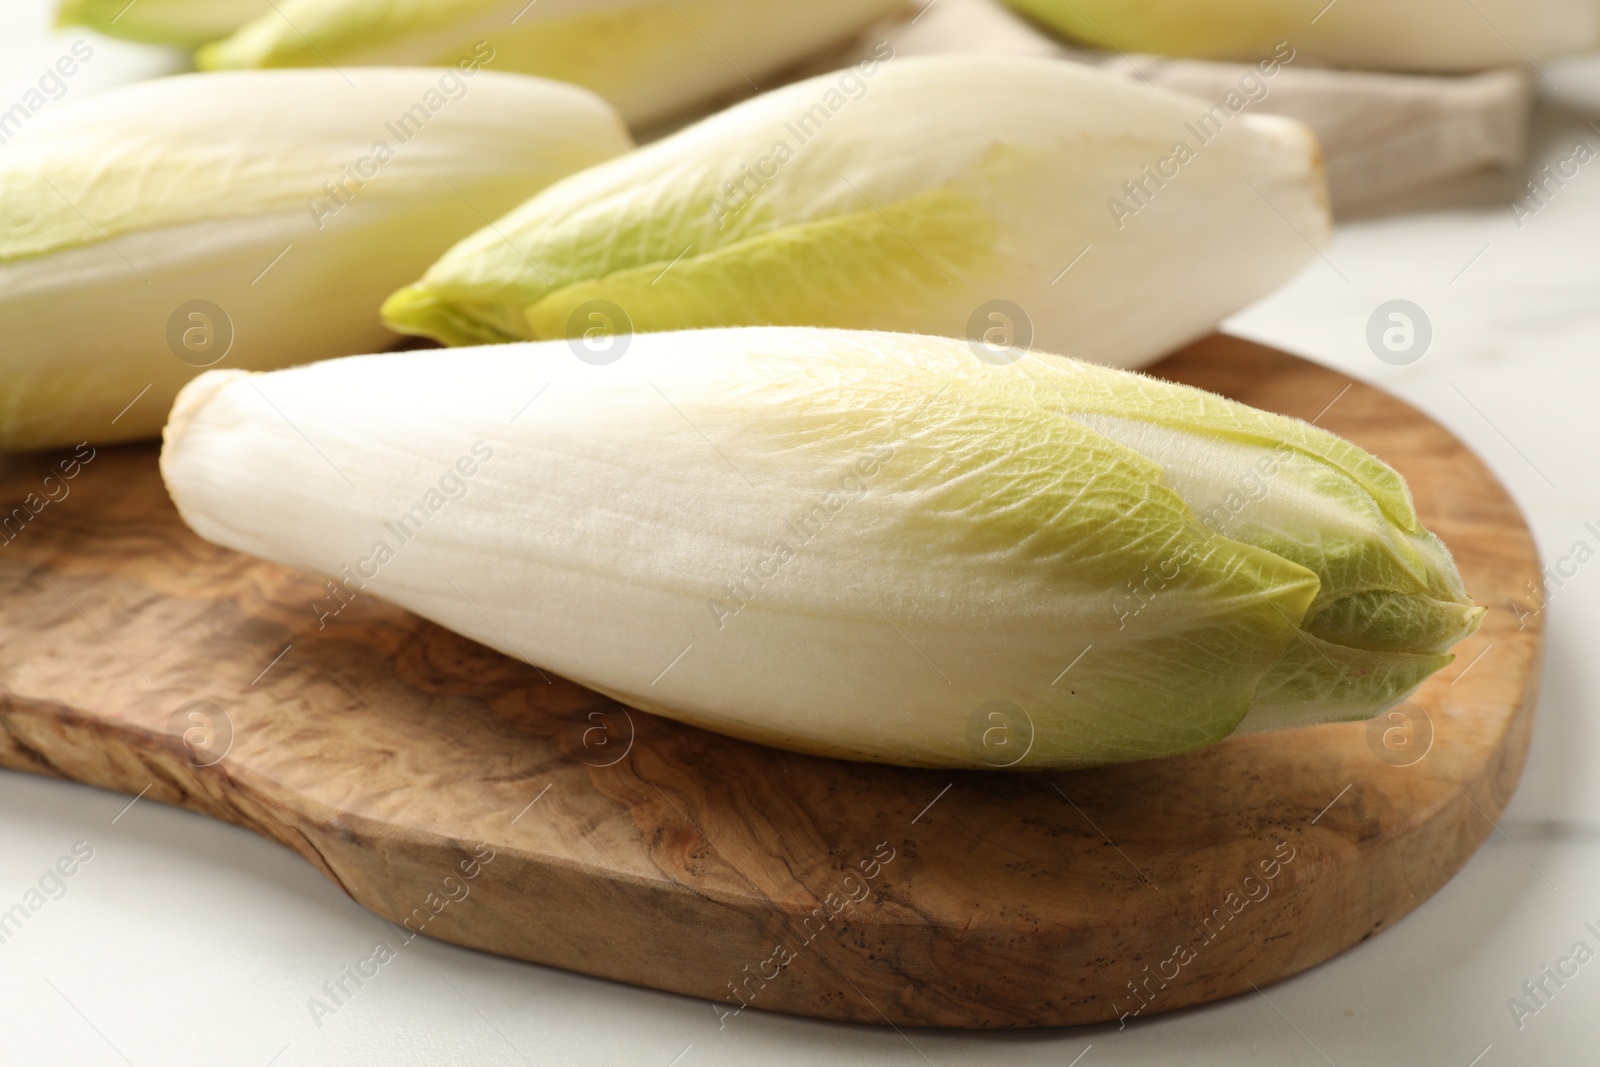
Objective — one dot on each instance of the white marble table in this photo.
(183, 941)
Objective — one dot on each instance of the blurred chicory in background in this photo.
(648, 57)
(1402, 35)
(189, 23)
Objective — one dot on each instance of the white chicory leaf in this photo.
(255, 219)
(853, 544)
(1020, 201)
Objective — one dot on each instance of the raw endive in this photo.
(1009, 200)
(179, 22)
(853, 544)
(1421, 35)
(256, 218)
(649, 57)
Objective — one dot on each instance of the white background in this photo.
(185, 941)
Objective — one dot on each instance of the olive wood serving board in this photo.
(471, 798)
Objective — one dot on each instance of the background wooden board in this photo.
(471, 798)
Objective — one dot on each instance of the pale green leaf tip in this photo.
(69, 13)
(210, 57)
(90, 16)
(418, 311)
(108, 19)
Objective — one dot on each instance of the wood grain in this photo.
(468, 796)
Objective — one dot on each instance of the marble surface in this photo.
(183, 941)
